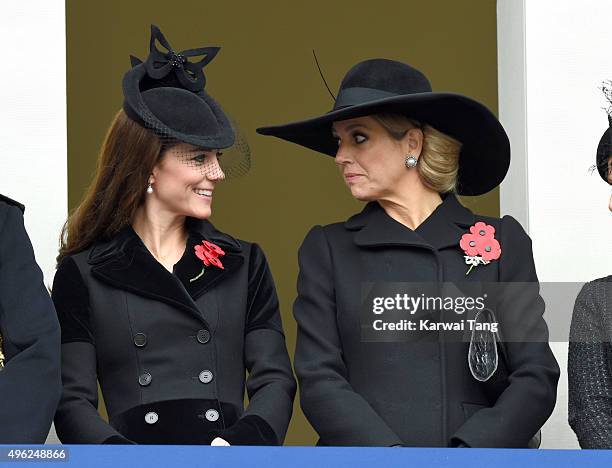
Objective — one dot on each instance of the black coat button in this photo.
(140, 339)
(145, 379)
(203, 336)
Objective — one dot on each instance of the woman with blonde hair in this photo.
(367, 380)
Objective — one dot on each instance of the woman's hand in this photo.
(219, 442)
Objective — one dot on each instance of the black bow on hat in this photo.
(166, 94)
(190, 74)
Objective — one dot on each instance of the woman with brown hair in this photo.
(163, 310)
(365, 380)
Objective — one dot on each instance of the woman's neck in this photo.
(412, 208)
(163, 234)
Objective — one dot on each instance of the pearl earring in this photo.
(410, 161)
(149, 187)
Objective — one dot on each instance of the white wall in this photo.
(511, 79)
(33, 119)
(553, 55)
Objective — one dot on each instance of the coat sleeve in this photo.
(30, 381)
(270, 383)
(77, 420)
(590, 379)
(339, 414)
(530, 395)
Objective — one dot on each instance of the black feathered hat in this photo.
(604, 151)
(166, 94)
(381, 85)
(604, 148)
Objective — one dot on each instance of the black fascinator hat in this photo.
(381, 86)
(604, 148)
(165, 93)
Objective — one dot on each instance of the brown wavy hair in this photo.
(127, 157)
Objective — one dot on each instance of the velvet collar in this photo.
(124, 262)
(443, 228)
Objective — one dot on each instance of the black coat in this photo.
(30, 382)
(417, 393)
(171, 354)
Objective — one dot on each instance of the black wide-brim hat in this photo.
(166, 94)
(387, 86)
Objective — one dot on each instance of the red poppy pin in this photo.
(209, 253)
(480, 245)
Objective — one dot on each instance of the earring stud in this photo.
(410, 161)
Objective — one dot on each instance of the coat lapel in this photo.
(374, 228)
(443, 228)
(124, 262)
(447, 223)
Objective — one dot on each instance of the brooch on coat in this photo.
(209, 253)
(480, 245)
(482, 353)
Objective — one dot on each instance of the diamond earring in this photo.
(410, 161)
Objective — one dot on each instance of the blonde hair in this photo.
(439, 161)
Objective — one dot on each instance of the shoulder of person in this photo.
(490, 220)
(603, 281)
(592, 306)
(69, 264)
(6, 202)
(507, 226)
(596, 289)
(11, 219)
(228, 242)
(75, 264)
(331, 230)
(204, 229)
(248, 248)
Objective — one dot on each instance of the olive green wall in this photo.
(265, 74)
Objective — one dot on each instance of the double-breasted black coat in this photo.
(420, 392)
(30, 380)
(171, 354)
